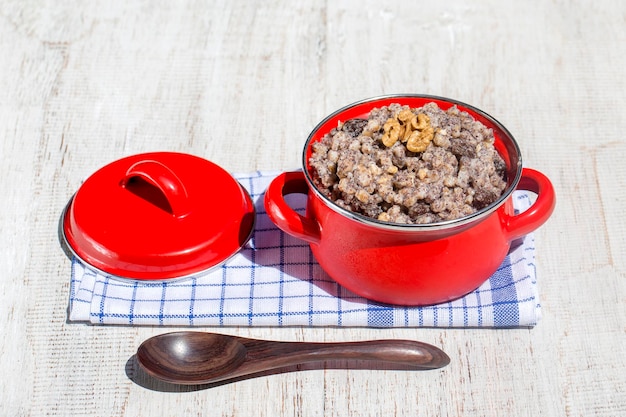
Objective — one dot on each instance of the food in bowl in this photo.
(409, 264)
(410, 165)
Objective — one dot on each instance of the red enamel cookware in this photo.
(410, 264)
(158, 216)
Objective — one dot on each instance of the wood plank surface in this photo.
(242, 83)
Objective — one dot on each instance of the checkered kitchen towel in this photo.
(275, 281)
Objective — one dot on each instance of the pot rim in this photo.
(444, 225)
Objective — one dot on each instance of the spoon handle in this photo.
(263, 355)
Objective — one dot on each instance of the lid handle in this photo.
(158, 185)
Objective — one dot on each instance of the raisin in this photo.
(483, 198)
(354, 127)
(500, 166)
(460, 147)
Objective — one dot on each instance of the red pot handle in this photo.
(164, 180)
(537, 214)
(286, 218)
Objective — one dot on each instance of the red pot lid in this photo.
(158, 216)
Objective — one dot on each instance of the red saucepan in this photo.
(410, 264)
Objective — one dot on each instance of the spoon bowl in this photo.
(192, 358)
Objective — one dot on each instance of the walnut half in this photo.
(414, 130)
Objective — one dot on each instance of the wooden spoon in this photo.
(192, 358)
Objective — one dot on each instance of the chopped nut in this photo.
(409, 123)
(410, 128)
(423, 121)
(363, 196)
(392, 131)
(408, 117)
(441, 139)
(392, 169)
(419, 142)
(384, 217)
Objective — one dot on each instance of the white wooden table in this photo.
(242, 84)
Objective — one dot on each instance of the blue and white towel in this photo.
(275, 281)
